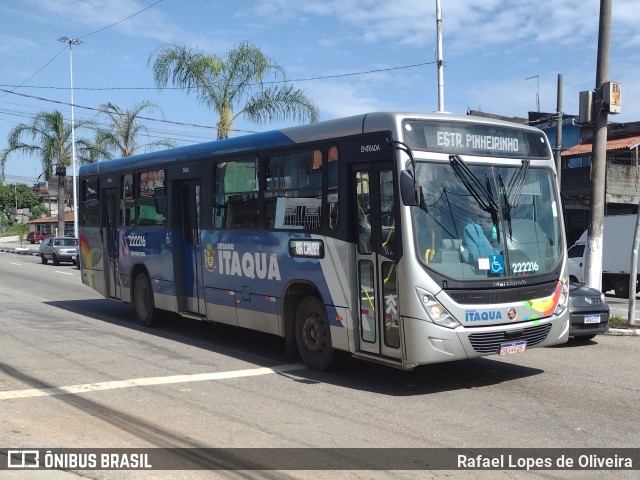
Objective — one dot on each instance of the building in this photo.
(622, 177)
(50, 225)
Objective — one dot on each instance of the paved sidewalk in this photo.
(13, 245)
(9, 239)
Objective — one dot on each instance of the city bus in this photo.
(402, 239)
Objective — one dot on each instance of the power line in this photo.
(340, 75)
(45, 66)
(184, 124)
(178, 134)
(161, 120)
(120, 21)
(308, 79)
(100, 110)
(83, 36)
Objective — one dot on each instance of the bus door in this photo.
(110, 204)
(375, 201)
(189, 274)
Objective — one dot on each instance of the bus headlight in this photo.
(563, 301)
(435, 310)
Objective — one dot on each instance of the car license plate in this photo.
(515, 347)
(592, 318)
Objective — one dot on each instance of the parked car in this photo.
(36, 236)
(589, 312)
(58, 249)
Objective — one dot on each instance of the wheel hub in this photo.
(310, 334)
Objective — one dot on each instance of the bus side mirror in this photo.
(408, 189)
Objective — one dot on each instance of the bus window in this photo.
(235, 203)
(364, 212)
(128, 201)
(332, 186)
(152, 200)
(89, 199)
(388, 223)
(294, 190)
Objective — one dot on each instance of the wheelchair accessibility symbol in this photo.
(496, 263)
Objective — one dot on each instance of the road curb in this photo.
(623, 332)
(18, 251)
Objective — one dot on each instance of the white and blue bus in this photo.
(403, 239)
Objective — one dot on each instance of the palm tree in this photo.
(121, 136)
(50, 139)
(236, 82)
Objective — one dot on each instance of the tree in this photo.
(121, 137)
(21, 229)
(236, 82)
(19, 194)
(50, 139)
(39, 210)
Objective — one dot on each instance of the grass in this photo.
(616, 321)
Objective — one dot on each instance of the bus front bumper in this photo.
(427, 342)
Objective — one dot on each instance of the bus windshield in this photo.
(505, 226)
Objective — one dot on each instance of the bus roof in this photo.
(347, 126)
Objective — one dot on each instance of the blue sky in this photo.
(490, 48)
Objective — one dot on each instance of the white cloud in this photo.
(339, 99)
(91, 15)
(14, 45)
(468, 25)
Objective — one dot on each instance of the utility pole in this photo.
(559, 133)
(72, 41)
(593, 258)
(439, 55)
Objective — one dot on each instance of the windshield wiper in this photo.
(517, 184)
(507, 206)
(481, 194)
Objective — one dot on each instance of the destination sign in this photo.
(475, 139)
(306, 248)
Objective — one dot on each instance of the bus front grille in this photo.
(490, 342)
(475, 297)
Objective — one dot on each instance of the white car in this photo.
(575, 257)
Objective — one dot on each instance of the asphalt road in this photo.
(77, 371)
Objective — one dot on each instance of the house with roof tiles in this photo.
(622, 178)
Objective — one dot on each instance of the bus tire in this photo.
(621, 288)
(313, 336)
(143, 302)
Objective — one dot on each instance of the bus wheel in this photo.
(313, 336)
(621, 288)
(143, 302)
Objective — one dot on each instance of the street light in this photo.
(72, 41)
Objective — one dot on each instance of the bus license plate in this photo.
(592, 318)
(515, 347)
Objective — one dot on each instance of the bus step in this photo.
(370, 357)
(192, 316)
